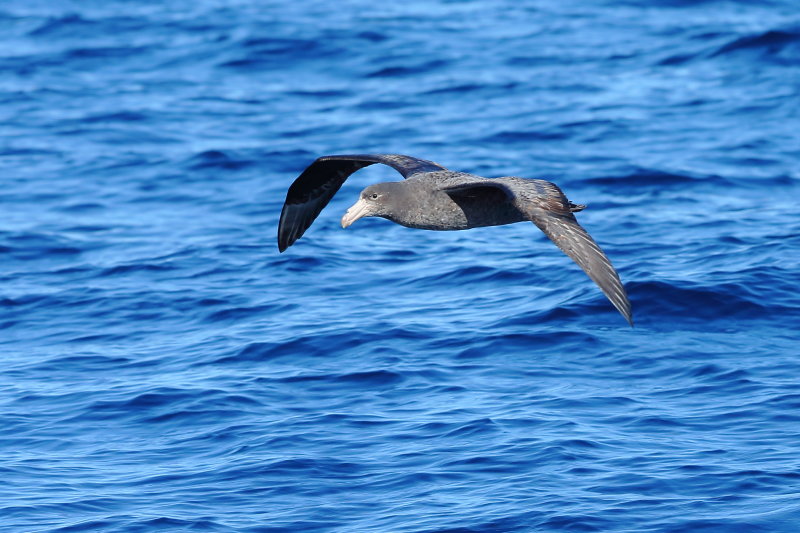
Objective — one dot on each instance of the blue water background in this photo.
(163, 368)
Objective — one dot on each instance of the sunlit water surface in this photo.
(164, 369)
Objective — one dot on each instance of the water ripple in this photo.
(165, 368)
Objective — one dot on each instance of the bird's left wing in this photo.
(544, 204)
(315, 187)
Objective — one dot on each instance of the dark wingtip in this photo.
(283, 243)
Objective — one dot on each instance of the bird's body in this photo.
(434, 209)
(435, 198)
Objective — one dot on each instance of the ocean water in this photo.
(164, 368)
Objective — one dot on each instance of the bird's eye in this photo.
(374, 196)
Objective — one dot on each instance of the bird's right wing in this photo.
(544, 204)
(573, 240)
(315, 187)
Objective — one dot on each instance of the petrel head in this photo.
(374, 201)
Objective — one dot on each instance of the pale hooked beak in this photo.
(356, 211)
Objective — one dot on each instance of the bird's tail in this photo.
(576, 207)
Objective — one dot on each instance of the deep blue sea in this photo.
(164, 368)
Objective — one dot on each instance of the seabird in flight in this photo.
(435, 198)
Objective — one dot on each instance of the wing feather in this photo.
(544, 204)
(318, 183)
(573, 240)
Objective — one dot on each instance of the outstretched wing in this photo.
(315, 187)
(574, 241)
(544, 204)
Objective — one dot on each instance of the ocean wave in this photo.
(641, 177)
(770, 42)
(164, 367)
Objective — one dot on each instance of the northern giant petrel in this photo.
(435, 198)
